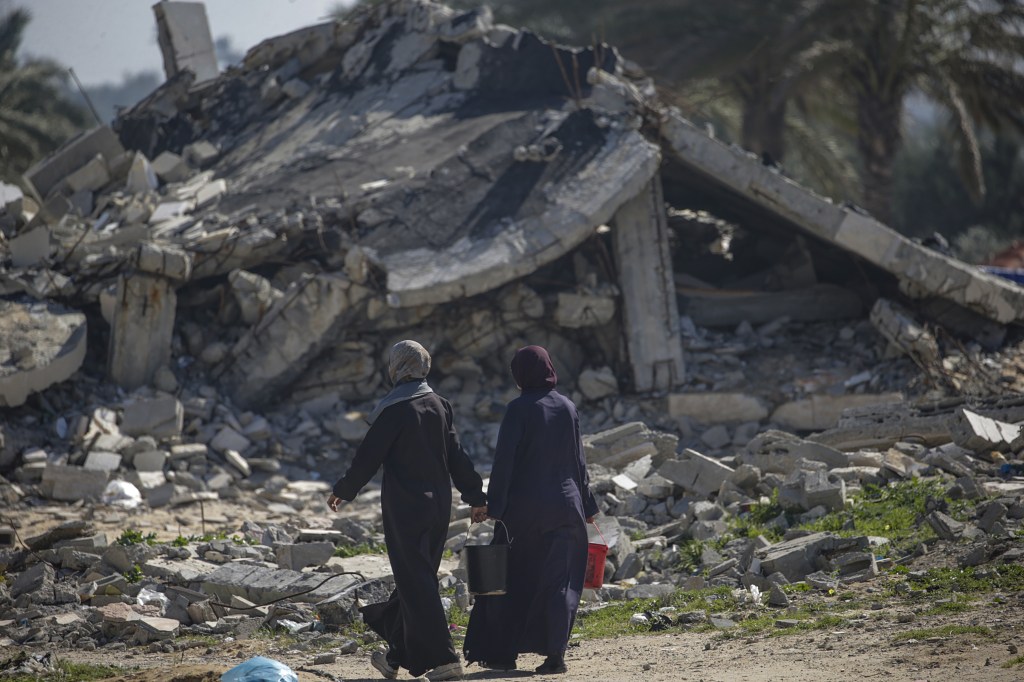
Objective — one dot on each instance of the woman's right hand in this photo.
(478, 514)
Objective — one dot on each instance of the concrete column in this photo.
(649, 309)
(143, 323)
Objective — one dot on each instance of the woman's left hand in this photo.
(479, 514)
(334, 502)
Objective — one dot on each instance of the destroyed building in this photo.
(413, 171)
(197, 303)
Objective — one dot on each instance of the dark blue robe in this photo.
(540, 489)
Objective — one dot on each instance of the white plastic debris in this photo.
(121, 494)
(148, 596)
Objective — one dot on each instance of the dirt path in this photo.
(867, 652)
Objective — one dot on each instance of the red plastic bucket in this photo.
(596, 554)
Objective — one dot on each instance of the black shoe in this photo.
(498, 665)
(552, 665)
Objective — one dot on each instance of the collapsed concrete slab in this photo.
(755, 190)
(40, 344)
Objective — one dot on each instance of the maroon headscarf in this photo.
(532, 369)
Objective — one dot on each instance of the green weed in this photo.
(1014, 662)
(943, 631)
(361, 548)
(132, 536)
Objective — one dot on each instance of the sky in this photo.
(103, 40)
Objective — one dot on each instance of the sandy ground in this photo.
(865, 650)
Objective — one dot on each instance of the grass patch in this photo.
(133, 536)
(891, 511)
(970, 580)
(948, 607)
(1014, 662)
(361, 548)
(943, 631)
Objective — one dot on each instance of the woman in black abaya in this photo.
(412, 435)
(540, 491)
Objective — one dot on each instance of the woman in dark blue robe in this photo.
(540, 491)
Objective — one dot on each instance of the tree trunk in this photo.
(878, 140)
(764, 115)
(763, 129)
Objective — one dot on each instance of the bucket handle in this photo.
(594, 523)
(496, 522)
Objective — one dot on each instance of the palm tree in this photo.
(964, 55)
(35, 116)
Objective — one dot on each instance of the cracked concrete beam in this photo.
(921, 271)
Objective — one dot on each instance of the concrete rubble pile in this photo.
(196, 304)
(74, 587)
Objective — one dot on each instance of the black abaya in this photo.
(540, 489)
(416, 442)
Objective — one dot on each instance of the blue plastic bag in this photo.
(259, 669)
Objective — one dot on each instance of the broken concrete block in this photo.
(296, 328)
(716, 437)
(45, 175)
(237, 461)
(8, 538)
(296, 88)
(714, 408)
(170, 167)
(210, 192)
(299, 555)
(91, 177)
(820, 412)
(40, 344)
(201, 153)
(140, 342)
(978, 433)
(159, 417)
(141, 177)
(993, 513)
(617, 447)
(229, 439)
(261, 585)
(102, 461)
(695, 473)
(779, 452)
(805, 490)
(150, 461)
(798, 557)
(70, 483)
(576, 311)
(255, 295)
(36, 580)
(351, 427)
(185, 40)
(898, 325)
(467, 26)
(169, 210)
(595, 384)
(168, 261)
(945, 526)
(30, 248)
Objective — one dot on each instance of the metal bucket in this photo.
(487, 567)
